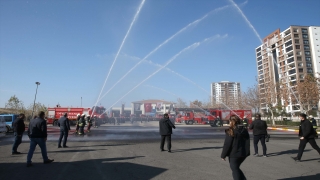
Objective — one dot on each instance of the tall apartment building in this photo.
(225, 93)
(286, 57)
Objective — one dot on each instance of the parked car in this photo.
(9, 118)
(3, 125)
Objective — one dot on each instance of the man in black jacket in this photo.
(64, 125)
(18, 128)
(314, 125)
(259, 134)
(306, 134)
(37, 133)
(165, 128)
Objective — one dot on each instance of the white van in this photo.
(3, 128)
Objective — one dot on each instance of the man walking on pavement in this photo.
(306, 134)
(259, 134)
(314, 125)
(18, 128)
(37, 133)
(165, 128)
(64, 125)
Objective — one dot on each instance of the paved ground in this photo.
(132, 152)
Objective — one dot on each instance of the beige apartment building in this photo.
(286, 57)
(225, 93)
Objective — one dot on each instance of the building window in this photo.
(305, 36)
(295, 30)
(259, 58)
(259, 49)
(306, 47)
(297, 46)
(289, 49)
(290, 60)
(296, 35)
(305, 41)
(259, 54)
(296, 41)
(307, 53)
(309, 70)
(304, 30)
(293, 77)
(299, 58)
(300, 70)
(288, 43)
(298, 53)
(292, 71)
(260, 67)
(300, 64)
(309, 65)
(301, 76)
(259, 63)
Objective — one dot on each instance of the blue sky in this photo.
(69, 47)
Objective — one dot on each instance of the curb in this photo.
(286, 129)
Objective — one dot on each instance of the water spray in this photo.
(165, 42)
(116, 57)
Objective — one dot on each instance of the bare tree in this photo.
(181, 103)
(270, 98)
(196, 103)
(251, 98)
(308, 91)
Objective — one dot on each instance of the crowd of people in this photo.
(236, 145)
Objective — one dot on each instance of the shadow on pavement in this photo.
(86, 169)
(311, 177)
(195, 149)
(293, 151)
(101, 145)
(315, 159)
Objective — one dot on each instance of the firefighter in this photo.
(244, 122)
(89, 121)
(94, 120)
(77, 123)
(82, 123)
(219, 122)
(314, 125)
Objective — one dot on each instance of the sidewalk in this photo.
(288, 128)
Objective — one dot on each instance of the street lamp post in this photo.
(35, 96)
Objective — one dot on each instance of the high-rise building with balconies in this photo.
(225, 93)
(287, 57)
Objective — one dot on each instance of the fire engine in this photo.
(55, 113)
(208, 116)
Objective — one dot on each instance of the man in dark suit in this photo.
(64, 125)
(306, 134)
(165, 128)
(18, 128)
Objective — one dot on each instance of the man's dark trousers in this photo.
(303, 143)
(163, 139)
(262, 139)
(17, 142)
(64, 135)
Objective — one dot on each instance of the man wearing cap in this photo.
(165, 128)
(314, 125)
(64, 125)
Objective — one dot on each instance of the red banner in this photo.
(147, 107)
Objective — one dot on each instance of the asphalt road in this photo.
(132, 152)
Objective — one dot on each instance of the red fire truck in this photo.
(55, 113)
(208, 116)
(224, 115)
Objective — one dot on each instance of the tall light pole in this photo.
(35, 96)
